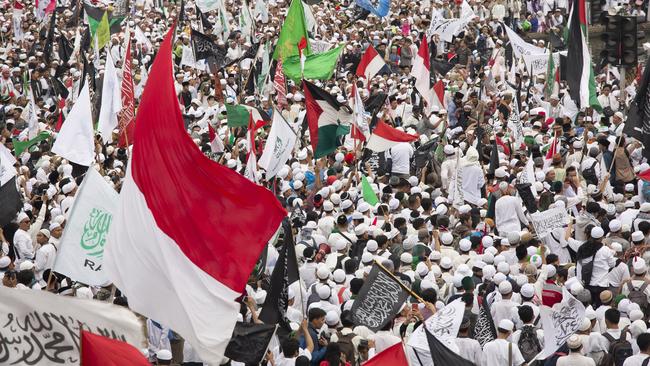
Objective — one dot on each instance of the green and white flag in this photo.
(81, 251)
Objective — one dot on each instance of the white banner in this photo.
(560, 322)
(40, 328)
(279, 145)
(538, 63)
(549, 220)
(448, 28)
(521, 47)
(81, 252)
(444, 325)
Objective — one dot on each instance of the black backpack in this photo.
(619, 350)
(529, 343)
(587, 269)
(638, 296)
(589, 174)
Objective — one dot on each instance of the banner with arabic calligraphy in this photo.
(81, 252)
(40, 328)
(560, 322)
(444, 325)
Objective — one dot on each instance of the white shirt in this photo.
(502, 310)
(23, 245)
(636, 360)
(509, 213)
(45, 257)
(470, 349)
(473, 181)
(401, 155)
(603, 261)
(384, 339)
(575, 359)
(495, 353)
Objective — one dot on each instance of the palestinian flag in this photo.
(384, 137)
(238, 115)
(328, 120)
(580, 73)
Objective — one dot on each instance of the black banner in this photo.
(527, 196)
(249, 342)
(441, 355)
(206, 49)
(484, 330)
(10, 202)
(378, 301)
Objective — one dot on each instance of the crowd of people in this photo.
(454, 213)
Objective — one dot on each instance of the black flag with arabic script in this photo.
(484, 330)
(379, 299)
(638, 122)
(284, 274)
(249, 342)
(206, 49)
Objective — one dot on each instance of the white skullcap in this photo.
(597, 232)
(21, 217)
(328, 206)
(639, 266)
(322, 272)
(339, 276)
(446, 263)
(615, 225)
(446, 238)
(324, 292)
(527, 291)
(503, 267)
(367, 258)
(507, 325)
(5, 261)
(550, 270)
(465, 245)
(84, 293)
(406, 258)
(487, 241)
(331, 318)
(26, 265)
(372, 246)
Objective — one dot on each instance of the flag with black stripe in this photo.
(441, 355)
(249, 342)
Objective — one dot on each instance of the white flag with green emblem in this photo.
(81, 251)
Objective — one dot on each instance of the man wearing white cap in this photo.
(503, 309)
(594, 260)
(575, 357)
(508, 212)
(23, 245)
(448, 167)
(500, 351)
(637, 288)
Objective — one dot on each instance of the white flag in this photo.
(16, 21)
(75, 141)
(456, 191)
(81, 252)
(111, 101)
(40, 328)
(279, 145)
(444, 325)
(261, 11)
(360, 114)
(560, 322)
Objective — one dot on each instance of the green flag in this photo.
(318, 66)
(103, 32)
(294, 29)
(237, 115)
(20, 146)
(368, 194)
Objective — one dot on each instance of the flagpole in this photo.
(406, 288)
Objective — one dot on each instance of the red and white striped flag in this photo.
(384, 137)
(422, 72)
(126, 118)
(180, 245)
(280, 85)
(370, 64)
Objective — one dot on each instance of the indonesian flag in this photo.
(126, 118)
(421, 72)
(188, 231)
(216, 145)
(301, 46)
(439, 94)
(279, 83)
(551, 150)
(370, 63)
(98, 350)
(384, 137)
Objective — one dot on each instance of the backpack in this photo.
(589, 174)
(347, 347)
(587, 269)
(638, 296)
(645, 191)
(619, 350)
(529, 343)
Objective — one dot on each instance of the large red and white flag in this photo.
(187, 231)
(384, 137)
(98, 350)
(439, 94)
(370, 64)
(393, 355)
(280, 85)
(126, 118)
(421, 71)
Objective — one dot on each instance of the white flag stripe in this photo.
(76, 141)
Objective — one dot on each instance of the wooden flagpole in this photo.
(406, 288)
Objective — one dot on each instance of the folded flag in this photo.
(212, 257)
(95, 15)
(76, 140)
(644, 175)
(370, 64)
(393, 355)
(98, 350)
(327, 119)
(319, 66)
(441, 355)
(20, 146)
(439, 94)
(384, 137)
(249, 342)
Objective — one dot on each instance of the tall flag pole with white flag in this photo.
(111, 101)
(76, 140)
(81, 252)
(421, 72)
(16, 21)
(279, 145)
(211, 258)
